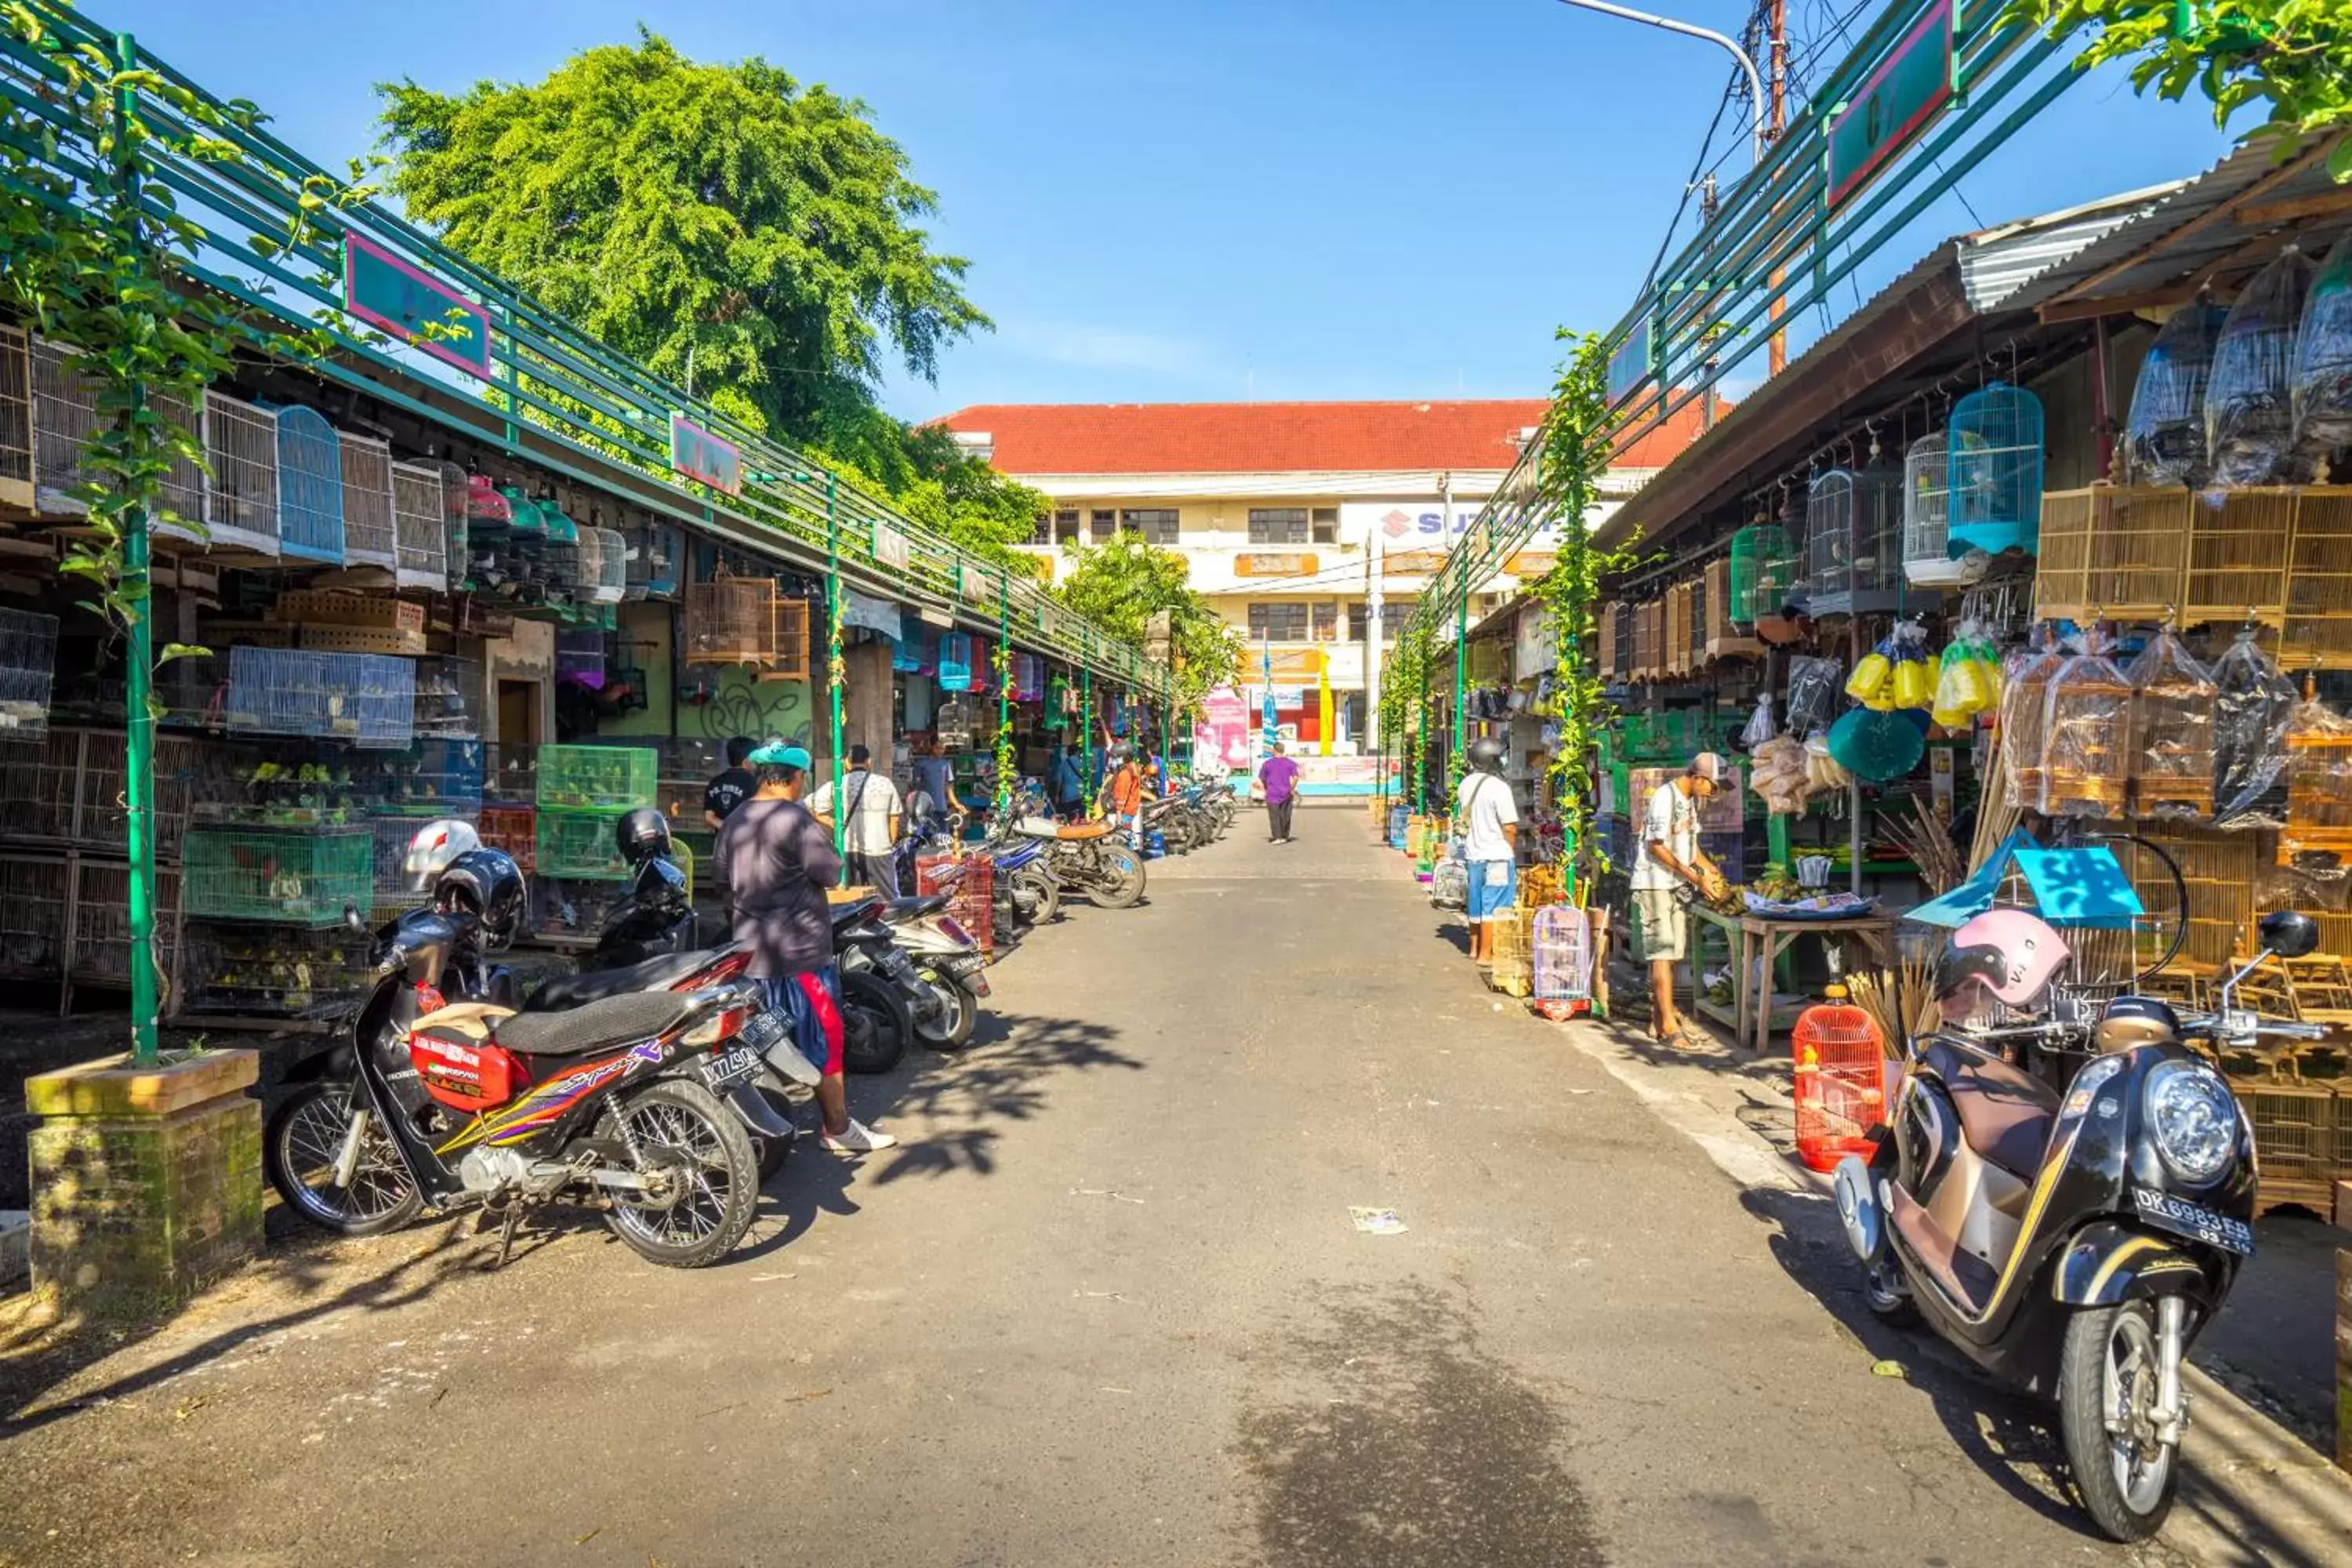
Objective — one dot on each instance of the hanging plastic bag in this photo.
(1911, 687)
(2025, 680)
(2249, 402)
(2323, 363)
(1869, 680)
(2250, 724)
(2172, 731)
(1813, 693)
(1759, 727)
(2087, 737)
(2317, 837)
(2164, 436)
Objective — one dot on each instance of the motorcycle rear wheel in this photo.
(2109, 1368)
(300, 1148)
(877, 1022)
(682, 1125)
(962, 1007)
(1048, 889)
(1117, 879)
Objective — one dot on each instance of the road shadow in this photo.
(1455, 935)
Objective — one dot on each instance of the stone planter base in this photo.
(146, 1180)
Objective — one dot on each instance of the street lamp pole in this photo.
(1755, 80)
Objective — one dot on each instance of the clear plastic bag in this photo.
(1759, 725)
(2317, 837)
(2087, 737)
(2025, 682)
(2249, 403)
(2172, 731)
(2164, 436)
(1814, 692)
(2250, 725)
(2322, 362)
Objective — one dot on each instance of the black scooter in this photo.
(2074, 1245)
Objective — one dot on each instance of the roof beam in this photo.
(2327, 204)
(2258, 249)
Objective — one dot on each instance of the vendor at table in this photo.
(1668, 871)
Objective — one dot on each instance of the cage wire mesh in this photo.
(731, 620)
(448, 704)
(28, 658)
(591, 547)
(1563, 954)
(65, 416)
(579, 655)
(1928, 559)
(368, 699)
(612, 580)
(1995, 461)
(370, 537)
(309, 485)
(653, 560)
(419, 526)
(15, 418)
(240, 488)
(456, 511)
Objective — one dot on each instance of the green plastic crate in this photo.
(580, 845)
(597, 778)
(302, 876)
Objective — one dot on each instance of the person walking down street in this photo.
(1124, 792)
(1279, 777)
(872, 809)
(1668, 870)
(1490, 845)
(727, 790)
(1061, 781)
(776, 860)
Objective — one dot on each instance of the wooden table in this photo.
(1764, 938)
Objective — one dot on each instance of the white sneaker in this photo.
(858, 1139)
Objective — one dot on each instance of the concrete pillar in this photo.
(866, 708)
(146, 1180)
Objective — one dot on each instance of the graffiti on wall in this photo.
(741, 705)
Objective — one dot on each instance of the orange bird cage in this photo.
(1841, 1081)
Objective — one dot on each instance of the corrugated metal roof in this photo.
(2016, 264)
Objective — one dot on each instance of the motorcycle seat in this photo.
(849, 914)
(1083, 830)
(916, 908)
(2005, 1115)
(657, 973)
(599, 1026)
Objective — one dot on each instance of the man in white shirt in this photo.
(1667, 867)
(872, 808)
(1490, 843)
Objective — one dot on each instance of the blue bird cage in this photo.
(310, 486)
(955, 661)
(906, 654)
(654, 551)
(1994, 501)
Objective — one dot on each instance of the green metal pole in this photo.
(1003, 685)
(834, 669)
(1461, 667)
(138, 719)
(1086, 706)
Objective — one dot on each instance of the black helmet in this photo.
(487, 885)
(1487, 753)
(641, 832)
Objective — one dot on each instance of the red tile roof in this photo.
(1273, 437)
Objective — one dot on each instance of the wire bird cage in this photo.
(1994, 463)
(955, 662)
(612, 580)
(448, 699)
(654, 550)
(240, 485)
(746, 620)
(65, 416)
(579, 655)
(16, 419)
(1928, 559)
(370, 535)
(419, 521)
(1853, 540)
(456, 510)
(1028, 677)
(28, 658)
(567, 557)
(368, 699)
(1563, 957)
(1514, 973)
(305, 877)
(309, 485)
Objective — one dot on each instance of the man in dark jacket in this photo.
(776, 860)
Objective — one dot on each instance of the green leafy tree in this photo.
(1122, 583)
(2295, 56)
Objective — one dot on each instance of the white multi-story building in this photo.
(1294, 517)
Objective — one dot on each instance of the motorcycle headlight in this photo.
(2194, 1118)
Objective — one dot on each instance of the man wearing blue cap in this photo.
(776, 860)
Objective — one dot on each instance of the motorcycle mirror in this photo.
(352, 918)
(2289, 934)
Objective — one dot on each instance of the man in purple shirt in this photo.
(1280, 778)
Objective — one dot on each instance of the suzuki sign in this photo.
(1405, 525)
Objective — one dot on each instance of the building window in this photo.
(1156, 523)
(1104, 523)
(1277, 622)
(1327, 620)
(1056, 527)
(1359, 617)
(1326, 525)
(1044, 532)
(1277, 525)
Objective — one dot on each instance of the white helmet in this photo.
(434, 846)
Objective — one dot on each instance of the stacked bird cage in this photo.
(2239, 546)
(16, 419)
(2110, 551)
(310, 486)
(1927, 561)
(65, 417)
(2318, 629)
(2171, 748)
(28, 658)
(298, 876)
(371, 529)
(1995, 460)
(366, 699)
(420, 521)
(1562, 936)
(241, 478)
(1513, 972)
(583, 792)
(2086, 738)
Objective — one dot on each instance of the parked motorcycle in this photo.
(615, 1105)
(2075, 1244)
(940, 968)
(1089, 858)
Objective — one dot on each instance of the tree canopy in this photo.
(1122, 583)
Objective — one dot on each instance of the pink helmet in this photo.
(2010, 952)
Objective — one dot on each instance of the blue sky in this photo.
(1219, 198)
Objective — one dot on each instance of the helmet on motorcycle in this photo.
(1116, 756)
(434, 846)
(2009, 953)
(642, 833)
(1487, 753)
(487, 885)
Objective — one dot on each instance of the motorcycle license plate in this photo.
(731, 1065)
(2196, 1223)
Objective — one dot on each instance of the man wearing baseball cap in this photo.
(1668, 870)
(776, 860)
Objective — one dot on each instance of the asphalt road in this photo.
(1107, 1306)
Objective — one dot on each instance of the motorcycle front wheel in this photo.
(707, 1180)
(949, 1028)
(1048, 889)
(1118, 880)
(305, 1144)
(876, 1023)
(2107, 1379)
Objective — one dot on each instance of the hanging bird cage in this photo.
(612, 582)
(731, 620)
(29, 660)
(1763, 569)
(241, 488)
(64, 418)
(1028, 677)
(454, 521)
(2317, 836)
(560, 547)
(955, 662)
(16, 420)
(2025, 683)
(1854, 528)
(1994, 462)
(1605, 657)
(2086, 738)
(653, 560)
(579, 655)
(1624, 616)
(371, 533)
(1927, 561)
(310, 486)
(420, 526)
(1678, 628)
(908, 655)
(1829, 540)
(1563, 966)
(2173, 699)
(591, 547)
(1724, 634)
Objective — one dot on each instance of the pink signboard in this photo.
(1222, 732)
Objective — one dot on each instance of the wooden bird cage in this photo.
(310, 486)
(747, 620)
(2317, 836)
(2318, 627)
(1606, 654)
(420, 526)
(1994, 462)
(65, 416)
(1678, 628)
(2025, 686)
(2112, 552)
(1722, 628)
(371, 528)
(2086, 742)
(1513, 972)
(1649, 636)
(2173, 698)
(16, 420)
(457, 511)
(240, 485)
(2238, 553)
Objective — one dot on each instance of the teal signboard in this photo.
(1629, 367)
(698, 455)
(1908, 89)
(384, 291)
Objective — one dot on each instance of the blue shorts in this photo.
(1493, 887)
(812, 1009)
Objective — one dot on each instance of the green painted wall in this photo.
(645, 634)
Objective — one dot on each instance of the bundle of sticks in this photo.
(1889, 995)
(1929, 844)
